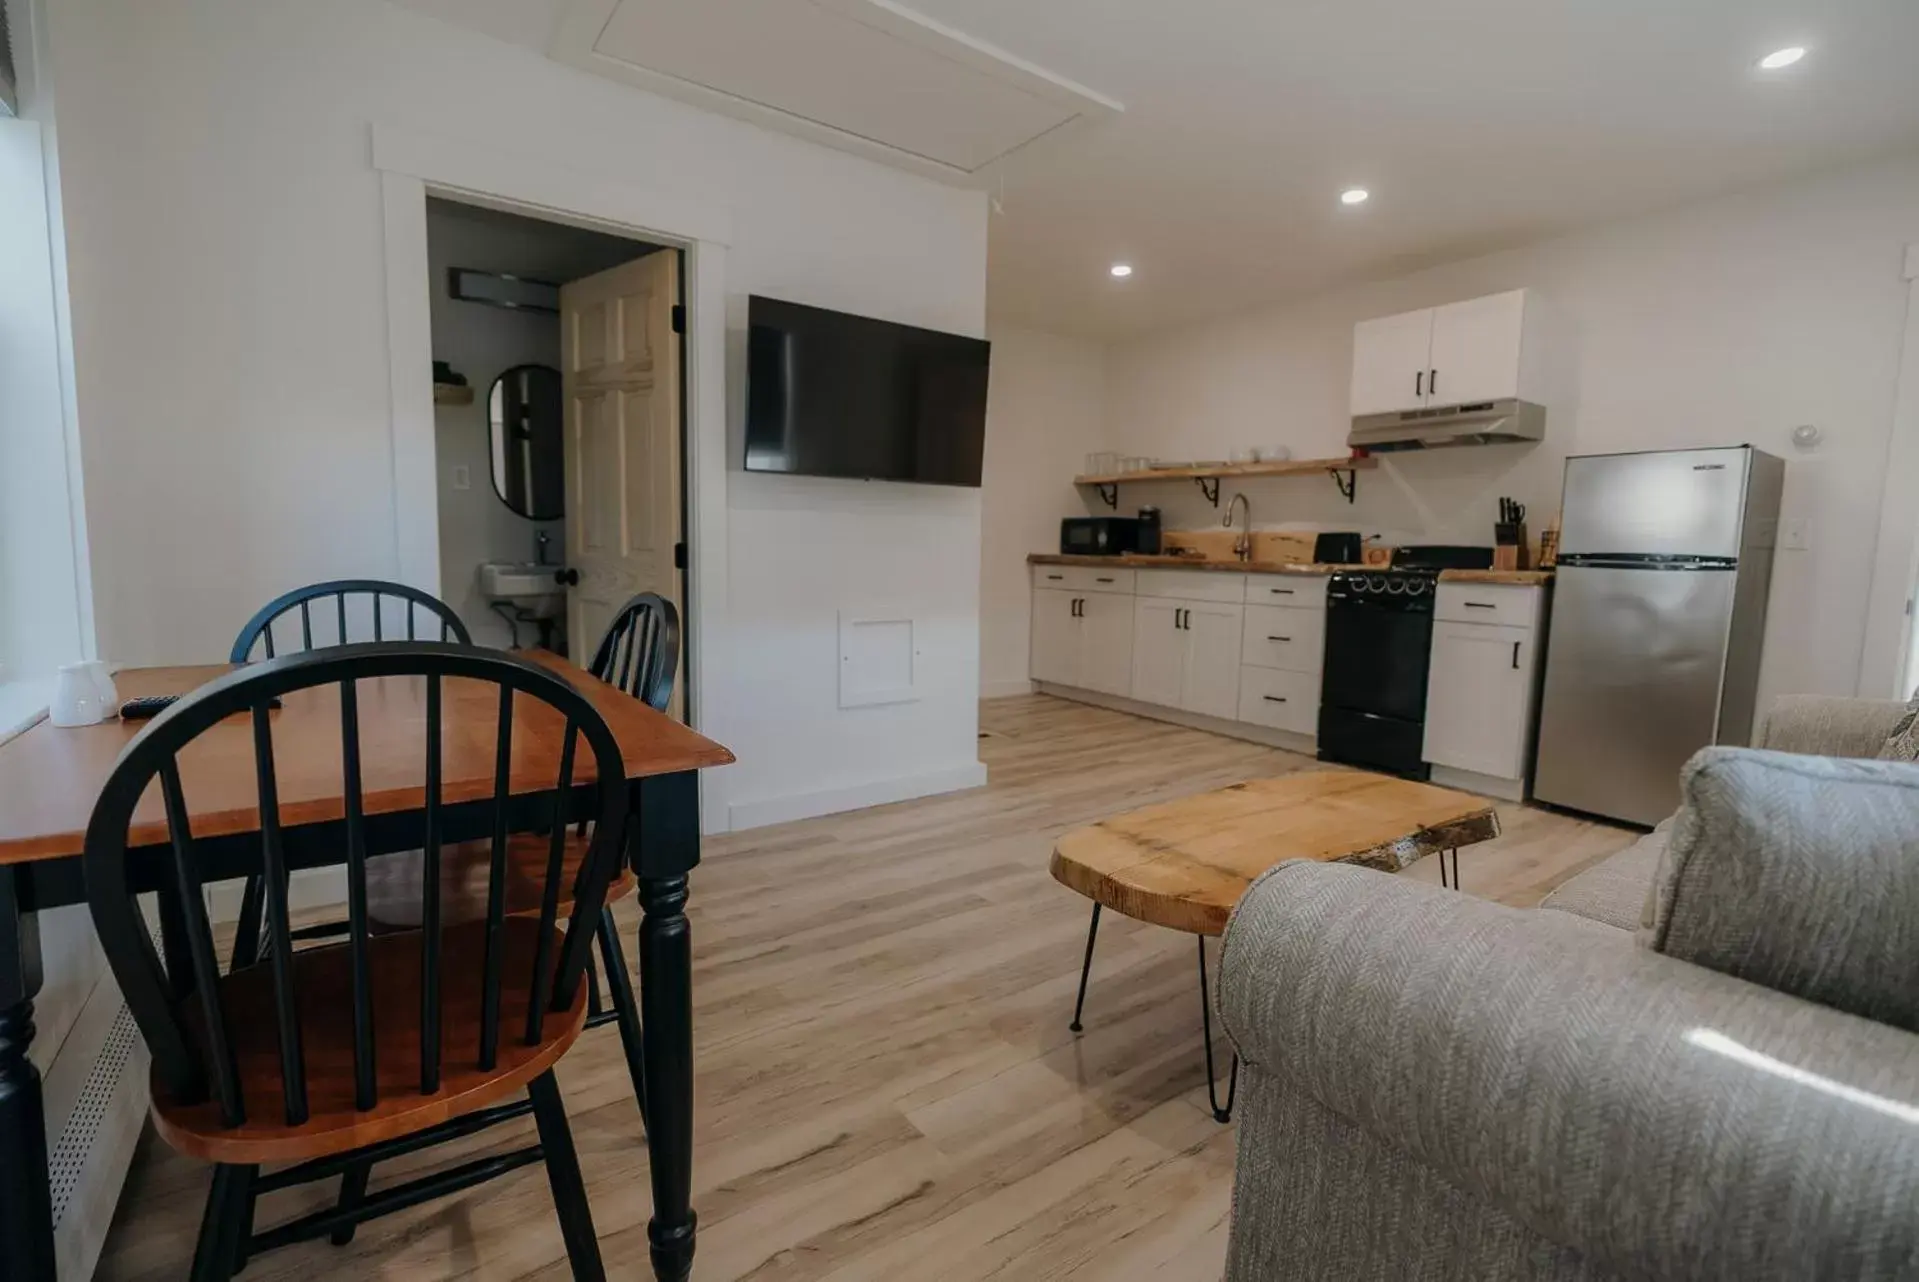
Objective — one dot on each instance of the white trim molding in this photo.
(414, 165)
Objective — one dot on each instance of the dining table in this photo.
(50, 777)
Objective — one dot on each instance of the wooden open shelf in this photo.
(1109, 484)
(452, 394)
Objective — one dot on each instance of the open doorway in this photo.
(558, 425)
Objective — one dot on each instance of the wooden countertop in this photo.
(1521, 578)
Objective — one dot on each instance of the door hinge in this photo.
(679, 556)
(679, 318)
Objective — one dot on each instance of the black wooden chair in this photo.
(639, 653)
(337, 1057)
(328, 604)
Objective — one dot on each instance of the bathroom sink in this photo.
(531, 589)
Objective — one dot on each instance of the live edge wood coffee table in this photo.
(1184, 864)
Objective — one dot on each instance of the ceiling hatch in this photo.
(864, 75)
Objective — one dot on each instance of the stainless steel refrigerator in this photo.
(1659, 606)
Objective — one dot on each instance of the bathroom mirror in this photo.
(525, 420)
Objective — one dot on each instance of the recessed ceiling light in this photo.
(1122, 270)
(1781, 58)
(1354, 196)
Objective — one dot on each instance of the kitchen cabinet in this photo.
(1186, 654)
(1478, 695)
(1390, 358)
(1487, 641)
(1482, 349)
(1082, 639)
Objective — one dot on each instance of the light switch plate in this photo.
(1795, 534)
(462, 477)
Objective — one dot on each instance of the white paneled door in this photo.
(1210, 682)
(1476, 349)
(1390, 362)
(620, 372)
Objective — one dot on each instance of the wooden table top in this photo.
(50, 776)
(1185, 863)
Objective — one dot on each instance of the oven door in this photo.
(1376, 659)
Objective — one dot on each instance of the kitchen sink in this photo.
(534, 590)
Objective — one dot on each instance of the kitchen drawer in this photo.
(1306, 591)
(1507, 605)
(1193, 585)
(1282, 700)
(1083, 578)
(1292, 638)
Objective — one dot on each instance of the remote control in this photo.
(146, 706)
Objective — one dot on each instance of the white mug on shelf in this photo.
(83, 695)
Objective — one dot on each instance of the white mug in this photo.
(83, 695)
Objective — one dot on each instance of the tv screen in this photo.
(828, 394)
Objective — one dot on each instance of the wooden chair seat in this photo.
(323, 978)
(393, 881)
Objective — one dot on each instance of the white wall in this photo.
(229, 325)
(1724, 322)
(1044, 414)
(481, 342)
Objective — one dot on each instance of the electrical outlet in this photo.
(1795, 534)
(462, 477)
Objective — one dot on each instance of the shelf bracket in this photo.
(1109, 491)
(1348, 487)
(1209, 486)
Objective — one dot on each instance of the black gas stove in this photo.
(1379, 636)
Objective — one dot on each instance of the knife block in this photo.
(1510, 547)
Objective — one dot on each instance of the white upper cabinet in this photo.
(1483, 349)
(1390, 356)
(1477, 348)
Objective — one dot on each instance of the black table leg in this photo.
(666, 846)
(26, 1200)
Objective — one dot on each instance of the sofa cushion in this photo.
(1613, 891)
(1798, 873)
(1902, 744)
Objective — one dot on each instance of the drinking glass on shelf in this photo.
(1244, 455)
(1103, 463)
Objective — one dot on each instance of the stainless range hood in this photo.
(1486, 423)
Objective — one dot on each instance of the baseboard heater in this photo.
(96, 1104)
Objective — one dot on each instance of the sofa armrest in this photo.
(1828, 726)
(1662, 1119)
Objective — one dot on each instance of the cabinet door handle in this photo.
(1432, 382)
(1480, 605)
(1273, 698)
(1515, 656)
(1279, 638)
(1419, 383)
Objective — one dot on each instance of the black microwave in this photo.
(1098, 535)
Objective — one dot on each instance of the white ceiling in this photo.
(1475, 123)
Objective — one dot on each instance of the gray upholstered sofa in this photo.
(1437, 1086)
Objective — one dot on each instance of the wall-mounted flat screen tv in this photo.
(829, 394)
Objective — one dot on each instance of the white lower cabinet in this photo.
(1479, 695)
(1211, 683)
(1106, 643)
(1186, 654)
(1082, 639)
(1279, 699)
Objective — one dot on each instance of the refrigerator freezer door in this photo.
(1677, 503)
(1632, 687)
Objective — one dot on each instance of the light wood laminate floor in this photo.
(886, 1084)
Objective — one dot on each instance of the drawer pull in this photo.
(1479, 605)
(1056, 577)
(1279, 638)
(1102, 580)
(1280, 591)
(1273, 698)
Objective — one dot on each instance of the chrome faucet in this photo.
(540, 541)
(1243, 545)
